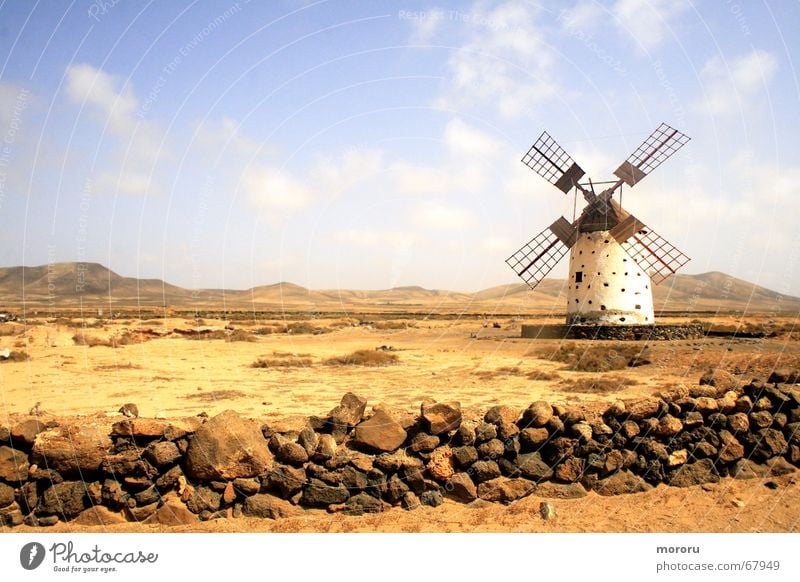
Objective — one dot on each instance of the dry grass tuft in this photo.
(372, 358)
(282, 362)
(598, 358)
(115, 367)
(599, 385)
(16, 356)
(216, 395)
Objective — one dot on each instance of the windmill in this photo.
(614, 257)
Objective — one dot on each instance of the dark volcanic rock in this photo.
(532, 466)
(570, 470)
(363, 503)
(287, 480)
(532, 438)
(292, 453)
(226, 447)
(784, 376)
(26, 431)
(396, 489)
(13, 465)
(621, 483)
(505, 490)
(770, 443)
(491, 449)
(431, 498)
(537, 415)
(424, 443)
(441, 417)
(380, 432)
(465, 435)
(730, 449)
(465, 456)
(162, 453)
(696, 473)
(485, 432)
(65, 500)
(269, 506)
(484, 471)
(203, 499)
(318, 494)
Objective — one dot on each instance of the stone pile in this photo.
(178, 471)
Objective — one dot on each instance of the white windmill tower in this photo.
(614, 257)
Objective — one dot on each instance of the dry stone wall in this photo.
(176, 472)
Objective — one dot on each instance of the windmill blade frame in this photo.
(548, 159)
(654, 151)
(655, 255)
(534, 260)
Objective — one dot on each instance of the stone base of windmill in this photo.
(616, 332)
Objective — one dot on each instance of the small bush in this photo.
(16, 356)
(285, 362)
(239, 335)
(81, 339)
(599, 358)
(598, 385)
(372, 358)
(216, 395)
(391, 325)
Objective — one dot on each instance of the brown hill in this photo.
(71, 285)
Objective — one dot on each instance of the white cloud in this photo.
(648, 22)
(98, 89)
(496, 244)
(464, 140)
(225, 136)
(366, 237)
(584, 15)
(273, 188)
(729, 85)
(425, 24)
(336, 176)
(439, 216)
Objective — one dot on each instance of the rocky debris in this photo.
(581, 431)
(326, 447)
(668, 426)
(360, 504)
(424, 443)
(484, 471)
(286, 480)
(226, 447)
(730, 449)
(98, 515)
(769, 443)
(697, 473)
(533, 438)
(570, 470)
(720, 379)
(152, 428)
(6, 495)
(465, 456)
(643, 408)
(13, 465)
(461, 488)
(203, 499)
(491, 449)
(65, 500)
(348, 414)
(532, 466)
(291, 453)
(26, 431)
(705, 405)
(433, 498)
(319, 494)
(441, 417)
(505, 489)
(537, 415)
(621, 483)
(162, 453)
(269, 506)
(380, 432)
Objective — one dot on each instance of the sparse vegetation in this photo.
(16, 356)
(598, 358)
(216, 395)
(597, 385)
(115, 367)
(392, 324)
(372, 358)
(237, 335)
(288, 361)
(123, 339)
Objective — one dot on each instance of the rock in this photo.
(533, 467)
(484, 471)
(309, 440)
(570, 470)
(66, 500)
(27, 430)
(761, 419)
(720, 379)
(573, 415)
(501, 414)
(492, 449)
(291, 453)
(582, 431)
(170, 478)
(696, 473)
(354, 479)
(465, 456)
(149, 495)
(350, 410)
(730, 449)
(424, 443)
(326, 448)
(770, 443)
(396, 489)
(643, 408)
(268, 506)
(431, 498)
(98, 515)
(287, 480)
(441, 465)
(128, 463)
(360, 504)
(441, 417)
(318, 494)
(249, 486)
(162, 453)
(393, 462)
(727, 403)
(678, 458)
(551, 490)
(738, 422)
(537, 415)
(152, 428)
(706, 405)
(6, 495)
(229, 494)
(616, 410)
(763, 403)
(203, 499)
(779, 466)
(141, 513)
(623, 482)
(461, 488)
(485, 432)
(547, 511)
(533, 438)
(415, 478)
(505, 490)
(380, 432)
(629, 429)
(668, 426)
(613, 462)
(13, 465)
(410, 501)
(744, 404)
(747, 469)
(784, 376)
(226, 447)
(465, 435)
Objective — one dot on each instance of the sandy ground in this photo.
(468, 360)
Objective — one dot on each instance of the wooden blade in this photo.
(655, 255)
(551, 162)
(538, 257)
(661, 144)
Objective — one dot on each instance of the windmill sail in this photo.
(551, 162)
(655, 255)
(538, 257)
(661, 144)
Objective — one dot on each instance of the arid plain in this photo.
(281, 362)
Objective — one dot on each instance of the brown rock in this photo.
(461, 488)
(441, 465)
(730, 449)
(501, 415)
(533, 438)
(291, 453)
(696, 473)
(13, 465)
(326, 447)
(505, 490)
(99, 515)
(784, 376)
(720, 379)
(172, 514)
(570, 470)
(152, 428)
(67, 500)
(582, 431)
(424, 443)
(350, 410)
(203, 499)
(552, 490)
(537, 414)
(706, 405)
(668, 426)
(643, 408)
(162, 453)
(623, 482)
(5, 434)
(532, 466)
(226, 447)
(441, 417)
(761, 419)
(380, 432)
(629, 429)
(229, 495)
(27, 430)
(6, 495)
(727, 403)
(738, 422)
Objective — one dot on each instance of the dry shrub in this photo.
(282, 362)
(81, 339)
(16, 356)
(598, 385)
(115, 367)
(239, 335)
(216, 395)
(304, 327)
(364, 358)
(543, 376)
(392, 324)
(598, 358)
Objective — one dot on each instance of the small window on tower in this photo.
(579, 276)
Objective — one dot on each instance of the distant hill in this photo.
(70, 285)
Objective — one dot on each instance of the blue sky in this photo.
(371, 145)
